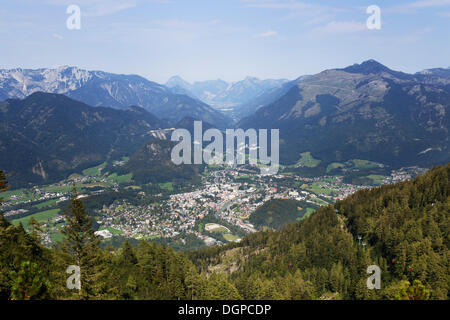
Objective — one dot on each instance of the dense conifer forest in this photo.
(402, 228)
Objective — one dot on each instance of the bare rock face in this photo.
(98, 88)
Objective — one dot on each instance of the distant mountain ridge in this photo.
(440, 72)
(365, 111)
(370, 67)
(98, 88)
(46, 136)
(267, 97)
(229, 97)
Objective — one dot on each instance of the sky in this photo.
(227, 39)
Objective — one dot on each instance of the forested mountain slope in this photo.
(365, 111)
(46, 136)
(404, 229)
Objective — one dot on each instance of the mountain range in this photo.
(364, 111)
(226, 96)
(45, 137)
(439, 72)
(98, 88)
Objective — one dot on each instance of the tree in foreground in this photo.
(3, 183)
(81, 248)
(3, 186)
(4, 279)
(28, 283)
(416, 291)
(23, 261)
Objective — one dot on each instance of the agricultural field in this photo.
(94, 171)
(17, 196)
(230, 237)
(320, 188)
(307, 160)
(320, 202)
(377, 179)
(120, 179)
(55, 188)
(45, 204)
(220, 229)
(214, 227)
(166, 186)
(112, 230)
(333, 166)
(150, 238)
(17, 192)
(362, 164)
(133, 187)
(41, 217)
(56, 237)
(309, 211)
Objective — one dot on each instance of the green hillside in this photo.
(403, 229)
(276, 213)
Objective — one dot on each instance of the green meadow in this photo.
(41, 217)
(307, 160)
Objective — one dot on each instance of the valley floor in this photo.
(216, 211)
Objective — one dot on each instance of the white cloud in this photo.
(185, 24)
(342, 27)
(57, 36)
(413, 7)
(312, 13)
(104, 9)
(292, 5)
(267, 34)
(319, 19)
(429, 3)
(97, 8)
(268, 4)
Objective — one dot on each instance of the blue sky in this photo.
(227, 39)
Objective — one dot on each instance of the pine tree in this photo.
(195, 283)
(124, 274)
(36, 230)
(128, 254)
(28, 283)
(3, 187)
(3, 183)
(81, 248)
(220, 288)
(4, 279)
(416, 291)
